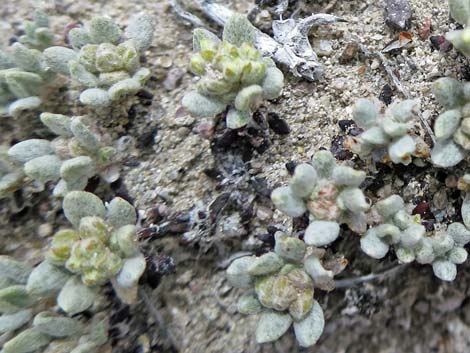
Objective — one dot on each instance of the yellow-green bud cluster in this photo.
(233, 74)
(108, 67)
(281, 287)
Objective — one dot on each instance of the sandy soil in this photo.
(172, 165)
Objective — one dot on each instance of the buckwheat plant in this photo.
(102, 245)
(22, 79)
(71, 159)
(37, 34)
(280, 287)
(387, 135)
(460, 11)
(104, 60)
(452, 128)
(398, 229)
(329, 192)
(30, 323)
(233, 74)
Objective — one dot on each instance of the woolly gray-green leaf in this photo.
(237, 272)
(57, 59)
(458, 232)
(12, 322)
(389, 206)
(123, 88)
(273, 83)
(44, 168)
(46, 279)
(446, 124)
(271, 326)
(446, 155)
(27, 341)
(444, 270)
(13, 269)
(353, 199)
(303, 181)
(286, 202)
(323, 161)
(365, 113)
(249, 98)
(289, 248)
(309, 330)
(238, 30)
(120, 213)
(78, 37)
(30, 149)
(248, 304)
(236, 119)
(201, 34)
(75, 297)
(56, 326)
(448, 92)
(84, 135)
(79, 73)
(373, 245)
(321, 233)
(16, 295)
(104, 30)
(59, 124)
(202, 106)
(95, 98)
(457, 255)
(140, 29)
(466, 210)
(266, 263)
(344, 175)
(460, 10)
(76, 169)
(131, 271)
(79, 204)
(400, 151)
(23, 104)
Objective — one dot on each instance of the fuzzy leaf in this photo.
(202, 106)
(120, 213)
(57, 59)
(131, 271)
(271, 326)
(30, 149)
(75, 297)
(79, 204)
(56, 326)
(236, 119)
(27, 341)
(446, 155)
(321, 233)
(44, 168)
(95, 98)
(140, 29)
(46, 280)
(59, 124)
(104, 30)
(238, 30)
(309, 330)
(286, 202)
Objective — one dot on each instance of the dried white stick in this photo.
(290, 47)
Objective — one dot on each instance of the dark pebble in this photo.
(441, 43)
(386, 94)
(278, 125)
(290, 166)
(398, 14)
(338, 150)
